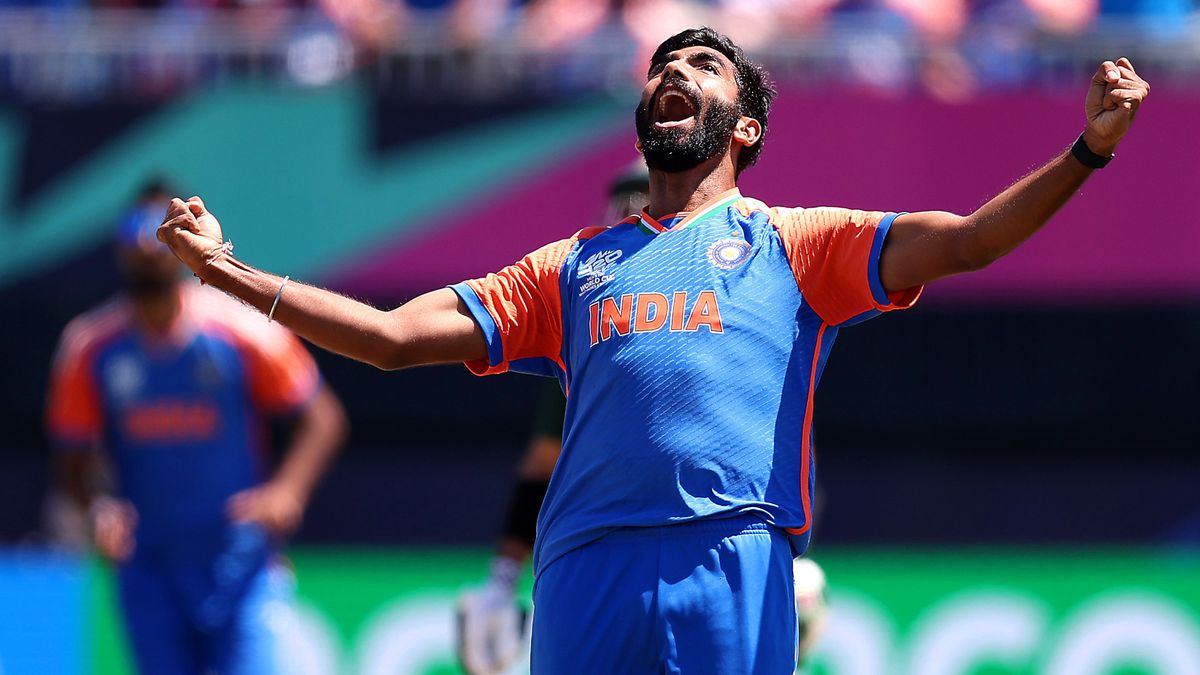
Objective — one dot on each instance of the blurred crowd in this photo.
(949, 47)
(552, 22)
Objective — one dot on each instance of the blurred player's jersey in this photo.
(183, 416)
(690, 350)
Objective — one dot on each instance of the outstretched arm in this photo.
(433, 328)
(925, 246)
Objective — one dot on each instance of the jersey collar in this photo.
(649, 225)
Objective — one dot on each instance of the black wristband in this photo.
(1088, 158)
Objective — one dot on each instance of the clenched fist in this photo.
(1112, 102)
(192, 233)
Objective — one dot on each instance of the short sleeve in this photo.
(834, 255)
(74, 416)
(519, 309)
(282, 375)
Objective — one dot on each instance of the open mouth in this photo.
(674, 109)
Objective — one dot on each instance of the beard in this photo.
(146, 284)
(679, 149)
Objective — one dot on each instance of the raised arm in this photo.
(925, 246)
(433, 328)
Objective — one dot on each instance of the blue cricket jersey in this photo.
(182, 415)
(690, 350)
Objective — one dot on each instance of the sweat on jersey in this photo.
(690, 352)
(183, 416)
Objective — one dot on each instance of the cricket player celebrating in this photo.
(490, 620)
(176, 385)
(689, 340)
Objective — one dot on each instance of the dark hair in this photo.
(755, 90)
(155, 188)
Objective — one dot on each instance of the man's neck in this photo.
(157, 311)
(688, 190)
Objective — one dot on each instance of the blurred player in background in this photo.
(690, 340)
(176, 386)
(491, 622)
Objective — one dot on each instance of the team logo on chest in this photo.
(728, 253)
(594, 270)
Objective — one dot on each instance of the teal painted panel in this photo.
(289, 173)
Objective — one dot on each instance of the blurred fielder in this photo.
(177, 384)
(689, 340)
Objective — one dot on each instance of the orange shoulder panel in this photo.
(74, 412)
(829, 250)
(525, 302)
(280, 372)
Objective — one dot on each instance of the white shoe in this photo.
(491, 631)
(811, 604)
